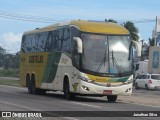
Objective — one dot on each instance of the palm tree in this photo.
(132, 29)
(151, 41)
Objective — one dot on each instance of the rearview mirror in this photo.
(79, 44)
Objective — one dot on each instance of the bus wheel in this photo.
(112, 98)
(67, 94)
(29, 86)
(41, 92)
(33, 86)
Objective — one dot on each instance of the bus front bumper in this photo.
(93, 89)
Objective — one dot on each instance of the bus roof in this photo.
(87, 26)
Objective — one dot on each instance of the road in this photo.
(17, 99)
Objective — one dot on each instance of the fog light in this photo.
(85, 88)
(128, 90)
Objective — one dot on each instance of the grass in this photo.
(10, 82)
(9, 73)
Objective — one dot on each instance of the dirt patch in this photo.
(142, 97)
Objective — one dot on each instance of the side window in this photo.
(49, 42)
(148, 76)
(76, 56)
(143, 77)
(35, 38)
(42, 41)
(66, 40)
(60, 33)
(23, 44)
(28, 43)
(74, 33)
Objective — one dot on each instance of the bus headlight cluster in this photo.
(83, 78)
(130, 80)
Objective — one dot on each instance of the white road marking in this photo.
(86, 105)
(70, 118)
(14, 87)
(10, 92)
(82, 103)
(19, 106)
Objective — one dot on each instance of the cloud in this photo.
(11, 37)
(11, 41)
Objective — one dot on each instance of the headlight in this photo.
(129, 81)
(83, 78)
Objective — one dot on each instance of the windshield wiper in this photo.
(115, 63)
(102, 62)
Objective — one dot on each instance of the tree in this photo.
(8, 60)
(132, 29)
(151, 42)
(110, 20)
(2, 53)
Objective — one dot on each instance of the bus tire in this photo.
(33, 86)
(28, 84)
(41, 92)
(112, 98)
(66, 88)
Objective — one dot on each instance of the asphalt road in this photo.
(17, 99)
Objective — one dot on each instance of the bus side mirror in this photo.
(79, 44)
(138, 47)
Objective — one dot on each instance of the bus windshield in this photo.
(107, 54)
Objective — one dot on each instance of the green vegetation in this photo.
(9, 73)
(130, 27)
(9, 82)
(8, 60)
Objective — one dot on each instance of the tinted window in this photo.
(66, 40)
(138, 77)
(34, 42)
(47, 41)
(144, 77)
(148, 76)
(156, 77)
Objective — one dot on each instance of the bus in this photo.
(79, 57)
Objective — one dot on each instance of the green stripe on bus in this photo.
(51, 67)
(122, 79)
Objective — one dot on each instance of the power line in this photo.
(137, 21)
(31, 18)
(25, 17)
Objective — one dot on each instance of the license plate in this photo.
(107, 92)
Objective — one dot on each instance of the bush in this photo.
(9, 73)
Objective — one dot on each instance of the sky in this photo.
(42, 13)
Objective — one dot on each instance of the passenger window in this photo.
(143, 77)
(148, 76)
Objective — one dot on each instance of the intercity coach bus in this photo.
(78, 58)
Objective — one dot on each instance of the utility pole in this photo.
(142, 51)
